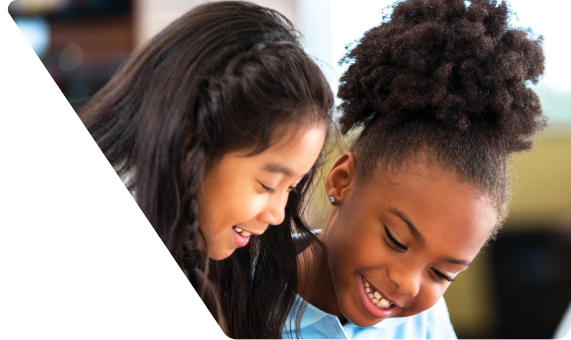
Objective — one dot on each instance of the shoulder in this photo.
(433, 323)
(439, 325)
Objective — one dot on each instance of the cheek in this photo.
(354, 248)
(239, 210)
(429, 295)
(231, 203)
(359, 236)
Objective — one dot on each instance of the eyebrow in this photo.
(278, 168)
(417, 235)
(420, 239)
(455, 261)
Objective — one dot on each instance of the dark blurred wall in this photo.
(87, 41)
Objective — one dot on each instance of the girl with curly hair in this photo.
(215, 125)
(437, 97)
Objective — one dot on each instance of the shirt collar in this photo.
(313, 314)
(389, 323)
(310, 315)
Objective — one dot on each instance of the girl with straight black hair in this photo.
(214, 124)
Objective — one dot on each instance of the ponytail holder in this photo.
(190, 262)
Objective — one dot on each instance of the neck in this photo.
(315, 276)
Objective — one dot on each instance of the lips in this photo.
(374, 301)
(246, 233)
(241, 236)
(374, 293)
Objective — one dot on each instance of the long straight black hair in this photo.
(221, 78)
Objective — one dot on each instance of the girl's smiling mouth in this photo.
(241, 236)
(242, 232)
(373, 301)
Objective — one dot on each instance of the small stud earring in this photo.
(331, 199)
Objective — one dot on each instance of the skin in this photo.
(454, 220)
(251, 192)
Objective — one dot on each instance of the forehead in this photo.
(288, 138)
(449, 214)
(293, 150)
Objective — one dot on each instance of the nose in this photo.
(274, 212)
(406, 280)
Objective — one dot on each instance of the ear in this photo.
(340, 178)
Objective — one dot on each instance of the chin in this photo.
(219, 255)
(363, 323)
(360, 320)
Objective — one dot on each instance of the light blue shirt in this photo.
(433, 323)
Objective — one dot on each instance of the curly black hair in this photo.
(449, 79)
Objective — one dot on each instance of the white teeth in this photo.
(375, 296)
(384, 303)
(242, 232)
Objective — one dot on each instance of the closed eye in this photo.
(394, 241)
(272, 190)
(442, 276)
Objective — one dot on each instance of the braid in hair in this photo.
(221, 78)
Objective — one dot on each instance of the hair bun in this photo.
(440, 61)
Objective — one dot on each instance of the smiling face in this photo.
(399, 238)
(243, 195)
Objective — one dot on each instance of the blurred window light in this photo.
(552, 23)
(37, 33)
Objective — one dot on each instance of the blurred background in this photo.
(520, 285)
